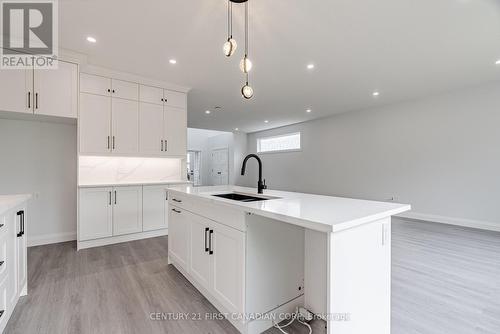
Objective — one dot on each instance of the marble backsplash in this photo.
(116, 170)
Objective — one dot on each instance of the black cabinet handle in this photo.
(166, 145)
(110, 198)
(1, 263)
(109, 142)
(21, 223)
(113, 91)
(206, 246)
(161, 100)
(115, 196)
(210, 251)
(176, 200)
(1, 313)
(176, 211)
(1, 225)
(162, 145)
(109, 90)
(29, 100)
(36, 100)
(113, 142)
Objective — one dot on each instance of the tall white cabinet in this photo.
(126, 118)
(38, 91)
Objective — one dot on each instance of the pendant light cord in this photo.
(246, 28)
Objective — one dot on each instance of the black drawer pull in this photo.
(206, 246)
(176, 211)
(176, 200)
(1, 263)
(211, 251)
(1, 313)
(1, 225)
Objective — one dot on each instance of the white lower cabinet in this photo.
(13, 260)
(127, 210)
(212, 253)
(154, 208)
(109, 215)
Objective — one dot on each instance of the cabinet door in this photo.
(95, 84)
(16, 90)
(125, 128)
(151, 94)
(56, 92)
(11, 263)
(127, 210)
(151, 128)
(125, 89)
(154, 199)
(95, 213)
(178, 237)
(228, 258)
(22, 251)
(95, 123)
(200, 264)
(175, 127)
(175, 99)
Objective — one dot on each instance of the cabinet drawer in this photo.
(225, 215)
(175, 99)
(151, 94)
(3, 257)
(3, 304)
(125, 90)
(3, 226)
(95, 84)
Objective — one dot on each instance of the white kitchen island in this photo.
(257, 260)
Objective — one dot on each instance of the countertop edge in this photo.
(102, 185)
(12, 201)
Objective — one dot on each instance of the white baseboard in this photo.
(47, 239)
(471, 223)
(120, 238)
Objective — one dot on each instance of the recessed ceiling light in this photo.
(207, 112)
(172, 61)
(308, 110)
(236, 129)
(91, 39)
(310, 66)
(375, 94)
(497, 62)
(266, 121)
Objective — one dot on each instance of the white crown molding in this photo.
(471, 223)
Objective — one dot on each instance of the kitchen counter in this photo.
(316, 212)
(7, 202)
(118, 184)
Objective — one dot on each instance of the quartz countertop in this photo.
(118, 184)
(317, 212)
(8, 202)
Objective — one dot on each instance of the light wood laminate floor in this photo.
(112, 289)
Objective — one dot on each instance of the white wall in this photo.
(440, 154)
(40, 158)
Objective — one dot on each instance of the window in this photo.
(288, 142)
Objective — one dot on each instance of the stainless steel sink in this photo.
(240, 197)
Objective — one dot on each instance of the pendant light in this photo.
(230, 45)
(246, 64)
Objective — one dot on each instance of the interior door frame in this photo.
(211, 162)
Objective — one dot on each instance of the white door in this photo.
(151, 128)
(96, 211)
(175, 127)
(219, 167)
(125, 89)
(228, 246)
(154, 201)
(178, 237)
(125, 126)
(16, 90)
(151, 94)
(95, 84)
(95, 123)
(200, 263)
(21, 250)
(127, 210)
(56, 91)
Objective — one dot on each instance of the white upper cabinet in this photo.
(174, 99)
(151, 94)
(16, 90)
(151, 128)
(125, 126)
(127, 210)
(125, 90)
(175, 127)
(95, 84)
(95, 124)
(56, 91)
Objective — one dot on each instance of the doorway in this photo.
(193, 165)
(219, 167)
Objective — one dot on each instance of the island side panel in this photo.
(315, 271)
(360, 279)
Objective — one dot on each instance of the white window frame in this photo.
(279, 136)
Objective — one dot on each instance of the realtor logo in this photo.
(29, 34)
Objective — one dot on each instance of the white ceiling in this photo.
(403, 48)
